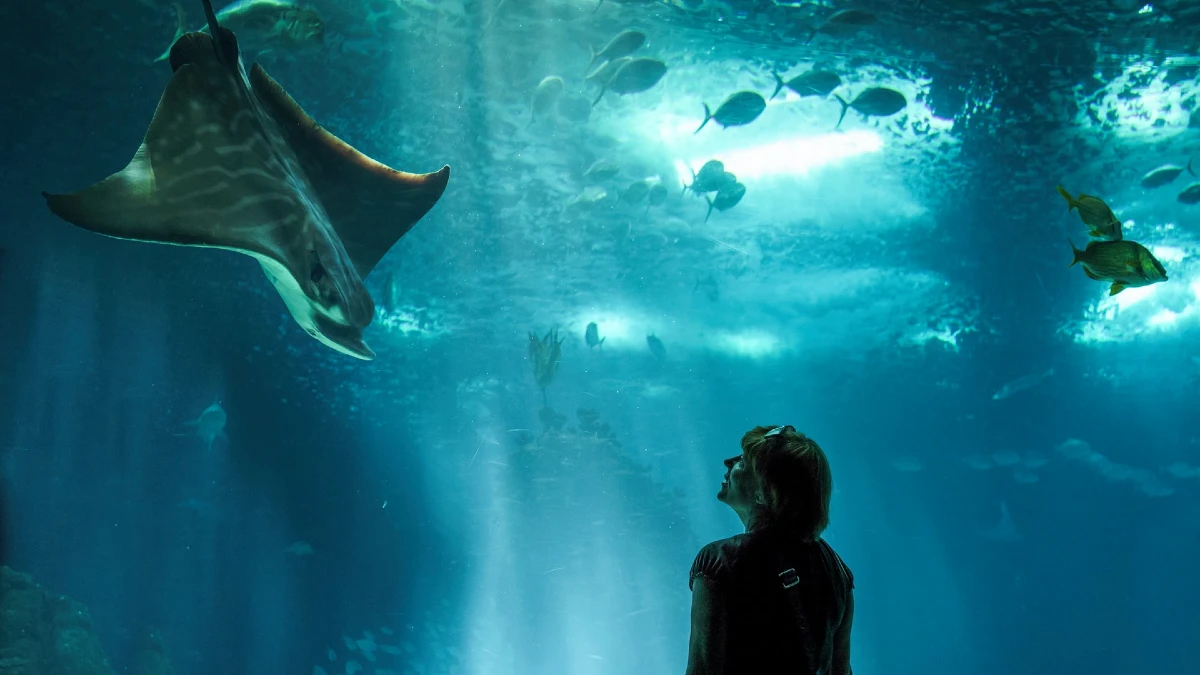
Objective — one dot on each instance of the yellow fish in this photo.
(1101, 221)
(1125, 263)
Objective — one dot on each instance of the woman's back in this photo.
(784, 600)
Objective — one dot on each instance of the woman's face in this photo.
(739, 489)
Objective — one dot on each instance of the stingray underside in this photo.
(223, 165)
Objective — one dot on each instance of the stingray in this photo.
(231, 161)
(211, 424)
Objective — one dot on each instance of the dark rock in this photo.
(45, 634)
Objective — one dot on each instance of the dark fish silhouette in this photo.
(874, 102)
(809, 83)
(232, 162)
(592, 336)
(656, 347)
(727, 198)
(741, 108)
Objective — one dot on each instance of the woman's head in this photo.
(783, 477)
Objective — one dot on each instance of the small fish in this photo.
(844, 22)
(592, 336)
(711, 178)
(1165, 175)
(633, 77)
(874, 102)
(1102, 223)
(1125, 263)
(299, 548)
(1018, 385)
(544, 97)
(1190, 194)
(331, 654)
(741, 108)
(636, 192)
(623, 44)
(391, 292)
(727, 198)
(601, 170)
(591, 196)
(604, 74)
(656, 347)
(1005, 530)
(656, 196)
(211, 424)
(282, 23)
(809, 83)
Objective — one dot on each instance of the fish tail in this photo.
(845, 107)
(180, 21)
(1189, 169)
(778, 85)
(1077, 254)
(707, 117)
(1071, 203)
(591, 62)
(710, 208)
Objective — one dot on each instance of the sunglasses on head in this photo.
(778, 430)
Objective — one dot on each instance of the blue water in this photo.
(877, 287)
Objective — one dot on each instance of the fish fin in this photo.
(180, 30)
(1091, 274)
(1071, 203)
(370, 204)
(778, 85)
(845, 107)
(592, 51)
(707, 117)
(1189, 168)
(1076, 253)
(1117, 287)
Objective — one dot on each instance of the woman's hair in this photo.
(794, 474)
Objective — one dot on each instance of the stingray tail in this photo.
(223, 41)
(707, 117)
(710, 208)
(602, 90)
(778, 85)
(598, 6)
(845, 107)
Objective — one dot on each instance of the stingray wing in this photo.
(208, 173)
(369, 204)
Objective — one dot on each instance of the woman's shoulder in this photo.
(715, 561)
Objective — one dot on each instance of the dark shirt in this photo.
(771, 629)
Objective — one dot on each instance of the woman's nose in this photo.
(731, 461)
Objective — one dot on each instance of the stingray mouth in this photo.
(345, 339)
